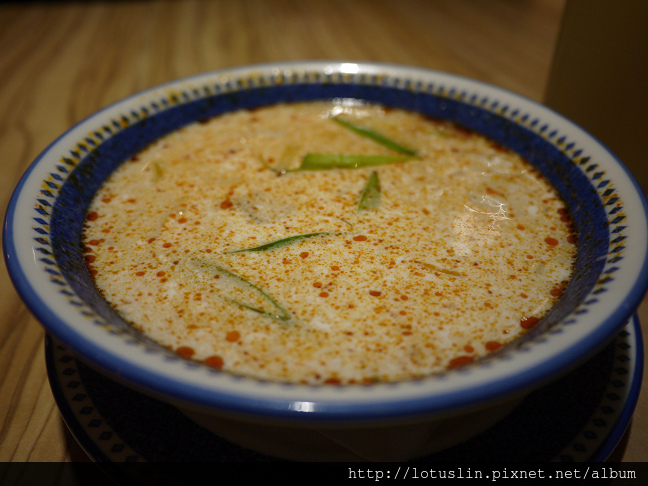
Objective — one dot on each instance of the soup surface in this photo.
(329, 243)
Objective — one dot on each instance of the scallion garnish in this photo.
(157, 171)
(370, 197)
(434, 268)
(280, 313)
(336, 161)
(375, 136)
(283, 241)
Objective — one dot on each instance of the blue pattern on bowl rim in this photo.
(64, 178)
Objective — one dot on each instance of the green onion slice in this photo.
(336, 161)
(434, 268)
(283, 241)
(375, 136)
(370, 197)
(277, 312)
(157, 171)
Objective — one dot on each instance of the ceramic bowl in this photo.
(43, 254)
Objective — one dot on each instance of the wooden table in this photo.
(60, 62)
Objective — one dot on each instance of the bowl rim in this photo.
(187, 383)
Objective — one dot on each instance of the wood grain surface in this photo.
(62, 61)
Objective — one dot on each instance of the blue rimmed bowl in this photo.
(44, 257)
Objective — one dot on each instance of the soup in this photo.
(329, 242)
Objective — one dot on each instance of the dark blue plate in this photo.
(580, 417)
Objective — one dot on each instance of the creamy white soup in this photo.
(327, 242)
